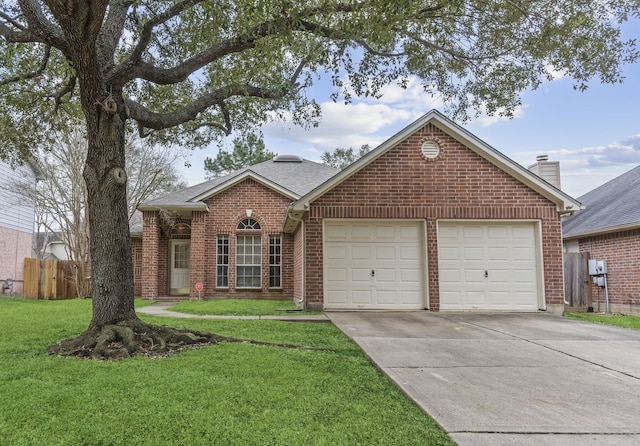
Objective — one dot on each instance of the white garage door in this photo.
(374, 264)
(488, 266)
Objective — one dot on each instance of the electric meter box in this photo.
(597, 267)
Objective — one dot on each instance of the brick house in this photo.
(432, 218)
(609, 229)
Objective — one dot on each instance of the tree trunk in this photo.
(106, 179)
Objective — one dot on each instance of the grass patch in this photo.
(618, 320)
(237, 307)
(228, 394)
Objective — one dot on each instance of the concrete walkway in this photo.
(509, 379)
(162, 309)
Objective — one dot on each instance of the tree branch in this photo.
(227, 128)
(147, 30)
(12, 21)
(40, 27)
(64, 89)
(112, 30)
(159, 121)
(133, 68)
(32, 74)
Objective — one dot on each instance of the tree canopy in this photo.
(192, 71)
(247, 150)
(340, 157)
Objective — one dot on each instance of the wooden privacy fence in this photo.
(49, 279)
(576, 281)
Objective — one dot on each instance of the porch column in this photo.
(197, 261)
(150, 248)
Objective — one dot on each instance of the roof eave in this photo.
(241, 177)
(292, 219)
(183, 210)
(602, 231)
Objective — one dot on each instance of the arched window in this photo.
(248, 254)
(249, 224)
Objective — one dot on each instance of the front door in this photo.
(179, 267)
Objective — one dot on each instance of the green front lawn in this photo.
(619, 320)
(236, 307)
(229, 394)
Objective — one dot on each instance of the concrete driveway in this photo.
(509, 379)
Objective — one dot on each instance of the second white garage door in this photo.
(374, 264)
(488, 266)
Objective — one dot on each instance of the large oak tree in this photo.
(189, 71)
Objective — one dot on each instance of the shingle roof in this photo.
(296, 178)
(615, 204)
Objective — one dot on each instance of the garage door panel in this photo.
(408, 298)
(506, 251)
(358, 252)
(409, 253)
(411, 275)
(335, 252)
(360, 276)
(498, 253)
(447, 253)
(497, 232)
(394, 251)
(384, 252)
(337, 274)
(523, 232)
(385, 233)
(385, 275)
(472, 232)
(409, 233)
(388, 297)
(361, 297)
(449, 275)
(472, 253)
(523, 253)
(339, 298)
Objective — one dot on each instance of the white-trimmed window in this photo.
(248, 254)
(249, 261)
(222, 261)
(275, 261)
(249, 224)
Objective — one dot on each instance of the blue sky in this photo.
(594, 134)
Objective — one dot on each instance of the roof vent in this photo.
(287, 159)
(542, 158)
(430, 149)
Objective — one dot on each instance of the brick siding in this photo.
(226, 209)
(458, 184)
(621, 250)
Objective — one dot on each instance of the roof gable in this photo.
(291, 179)
(610, 207)
(564, 202)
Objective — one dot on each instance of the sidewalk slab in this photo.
(161, 309)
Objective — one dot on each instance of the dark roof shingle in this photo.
(614, 204)
(296, 177)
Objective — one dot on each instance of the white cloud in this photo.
(341, 126)
(486, 120)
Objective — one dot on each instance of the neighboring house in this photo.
(609, 229)
(17, 220)
(432, 218)
(49, 245)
